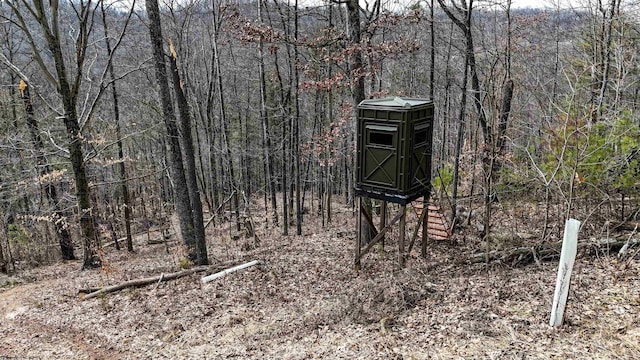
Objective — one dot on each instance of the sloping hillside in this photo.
(306, 301)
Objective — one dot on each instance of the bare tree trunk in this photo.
(116, 114)
(459, 140)
(3, 263)
(5, 260)
(210, 125)
(357, 73)
(284, 113)
(505, 111)
(202, 170)
(223, 120)
(266, 136)
(329, 155)
(181, 192)
(432, 52)
(604, 61)
(285, 183)
(296, 124)
(507, 90)
(190, 162)
(69, 99)
(82, 184)
(247, 154)
(329, 179)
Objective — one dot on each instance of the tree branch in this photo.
(94, 292)
(22, 25)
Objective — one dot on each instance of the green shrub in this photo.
(443, 179)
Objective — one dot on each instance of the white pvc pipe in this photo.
(222, 273)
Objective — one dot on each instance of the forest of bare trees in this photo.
(117, 114)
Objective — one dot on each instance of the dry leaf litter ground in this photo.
(307, 302)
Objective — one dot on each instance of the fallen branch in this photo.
(222, 273)
(93, 292)
(547, 250)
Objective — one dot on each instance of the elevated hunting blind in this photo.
(393, 165)
(394, 149)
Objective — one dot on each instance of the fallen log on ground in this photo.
(536, 252)
(93, 292)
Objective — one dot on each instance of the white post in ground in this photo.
(567, 258)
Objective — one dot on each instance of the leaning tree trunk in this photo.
(190, 162)
(183, 203)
